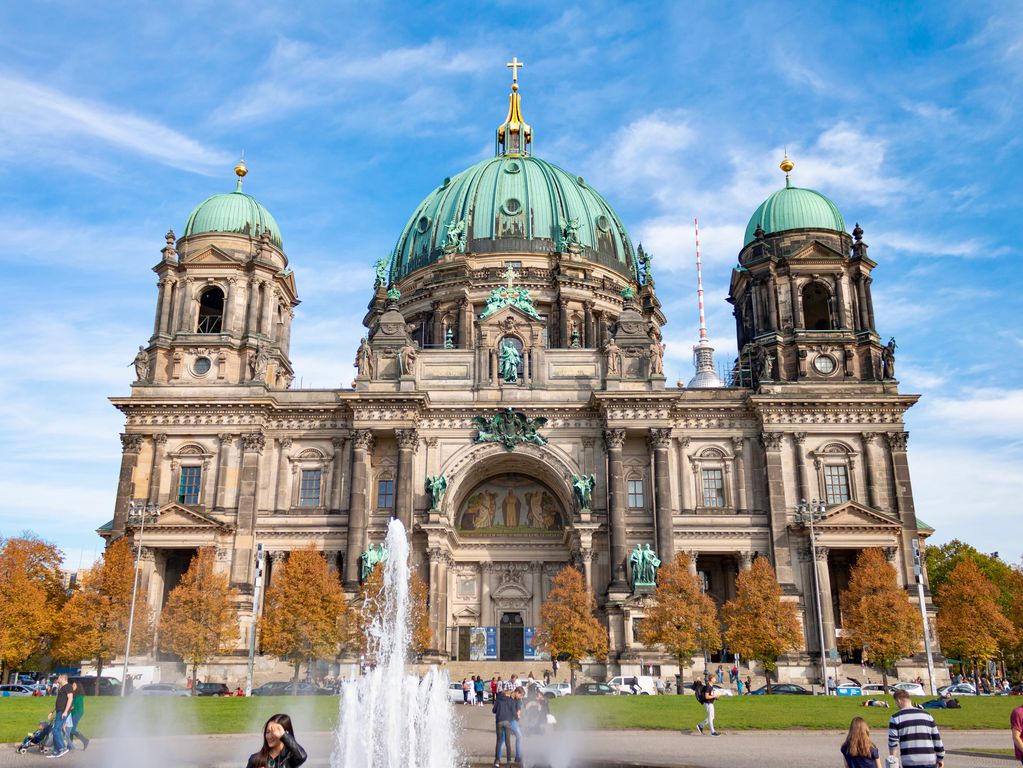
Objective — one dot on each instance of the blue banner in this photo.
(529, 650)
(490, 652)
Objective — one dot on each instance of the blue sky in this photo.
(117, 119)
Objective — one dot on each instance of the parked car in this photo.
(624, 683)
(594, 689)
(274, 688)
(959, 689)
(212, 689)
(784, 689)
(455, 693)
(108, 686)
(873, 689)
(914, 689)
(557, 689)
(162, 689)
(306, 689)
(15, 689)
(721, 690)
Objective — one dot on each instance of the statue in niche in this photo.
(613, 358)
(258, 362)
(766, 365)
(575, 343)
(656, 355)
(364, 360)
(407, 359)
(888, 359)
(436, 486)
(141, 363)
(509, 362)
(583, 487)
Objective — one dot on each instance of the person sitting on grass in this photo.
(875, 703)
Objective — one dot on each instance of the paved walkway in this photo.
(747, 749)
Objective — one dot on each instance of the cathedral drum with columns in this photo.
(510, 408)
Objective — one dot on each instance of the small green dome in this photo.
(513, 204)
(234, 212)
(794, 208)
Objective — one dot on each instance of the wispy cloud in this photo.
(39, 120)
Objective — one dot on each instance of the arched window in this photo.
(816, 308)
(211, 311)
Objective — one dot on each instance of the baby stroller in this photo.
(42, 738)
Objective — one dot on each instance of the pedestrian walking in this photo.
(280, 749)
(913, 732)
(857, 749)
(507, 710)
(706, 695)
(720, 674)
(465, 690)
(554, 666)
(1016, 725)
(749, 685)
(77, 713)
(477, 688)
(61, 711)
(738, 685)
(493, 688)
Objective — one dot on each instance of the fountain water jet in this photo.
(390, 718)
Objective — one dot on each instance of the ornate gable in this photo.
(211, 256)
(177, 516)
(816, 251)
(855, 516)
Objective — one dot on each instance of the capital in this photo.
(225, 438)
(889, 553)
(408, 439)
(659, 438)
(160, 439)
(253, 441)
(771, 441)
(131, 443)
(614, 439)
(799, 437)
(363, 439)
(284, 442)
(738, 443)
(338, 442)
(868, 437)
(897, 441)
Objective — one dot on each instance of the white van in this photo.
(624, 684)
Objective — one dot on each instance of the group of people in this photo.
(63, 721)
(474, 689)
(911, 732)
(520, 710)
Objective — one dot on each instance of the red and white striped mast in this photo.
(703, 352)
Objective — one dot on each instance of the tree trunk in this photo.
(767, 678)
(195, 678)
(294, 679)
(884, 678)
(99, 673)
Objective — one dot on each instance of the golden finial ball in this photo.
(787, 165)
(240, 169)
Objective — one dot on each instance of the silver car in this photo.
(162, 689)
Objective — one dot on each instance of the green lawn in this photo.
(766, 712)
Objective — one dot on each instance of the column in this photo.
(897, 444)
(166, 300)
(222, 459)
(827, 607)
(130, 447)
(436, 331)
(862, 299)
(408, 444)
(745, 561)
(615, 441)
(438, 583)
(266, 321)
(840, 298)
(798, 438)
(587, 331)
(659, 442)
(363, 451)
(693, 555)
(536, 577)
(161, 297)
(208, 486)
(486, 606)
(686, 478)
(563, 319)
(336, 490)
(869, 300)
(251, 323)
(282, 503)
(587, 556)
(248, 487)
(184, 305)
(464, 340)
(598, 329)
(772, 301)
(775, 470)
(739, 445)
(159, 446)
(797, 318)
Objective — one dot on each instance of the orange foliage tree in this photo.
(94, 622)
(371, 604)
(759, 625)
(305, 616)
(971, 625)
(569, 630)
(683, 619)
(200, 618)
(31, 591)
(877, 616)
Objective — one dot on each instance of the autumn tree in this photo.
(877, 616)
(305, 616)
(31, 591)
(94, 622)
(569, 630)
(371, 605)
(683, 619)
(200, 619)
(971, 624)
(759, 625)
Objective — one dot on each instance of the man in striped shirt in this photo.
(914, 733)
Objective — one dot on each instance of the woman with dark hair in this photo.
(280, 750)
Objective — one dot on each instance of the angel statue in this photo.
(583, 487)
(436, 486)
(381, 270)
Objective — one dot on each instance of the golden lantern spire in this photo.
(514, 136)
(787, 165)
(240, 171)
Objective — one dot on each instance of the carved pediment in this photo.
(177, 516)
(853, 515)
(288, 278)
(815, 250)
(212, 256)
(509, 318)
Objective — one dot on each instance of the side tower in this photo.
(226, 300)
(801, 293)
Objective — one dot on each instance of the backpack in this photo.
(698, 687)
(953, 704)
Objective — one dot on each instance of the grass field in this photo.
(108, 716)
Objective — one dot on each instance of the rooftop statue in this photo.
(888, 359)
(509, 296)
(364, 359)
(455, 237)
(141, 363)
(381, 270)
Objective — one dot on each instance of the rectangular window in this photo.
(513, 264)
(189, 485)
(836, 484)
(635, 491)
(713, 488)
(385, 494)
(309, 488)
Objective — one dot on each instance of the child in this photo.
(38, 738)
(858, 750)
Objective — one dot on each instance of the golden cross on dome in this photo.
(509, 275)
(515, 64)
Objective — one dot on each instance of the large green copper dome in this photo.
(234, 212)
(514, 203)
(794, 208)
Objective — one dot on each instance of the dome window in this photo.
(423, 225)
(512, 207)
(512, 166)
(581, 181)
(211, 311)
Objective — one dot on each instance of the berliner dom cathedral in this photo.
(510, 406)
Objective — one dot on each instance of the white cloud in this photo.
(39, 120)
(985, 413)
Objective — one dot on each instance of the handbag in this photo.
(551, 719)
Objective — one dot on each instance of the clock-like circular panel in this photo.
(824, 364)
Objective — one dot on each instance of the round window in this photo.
(824, 364)
(512, 166)
(512, 206)
(423, 224)
(202, 366)
(603, 223)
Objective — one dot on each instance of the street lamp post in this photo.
(807, 514)
(138, 512)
